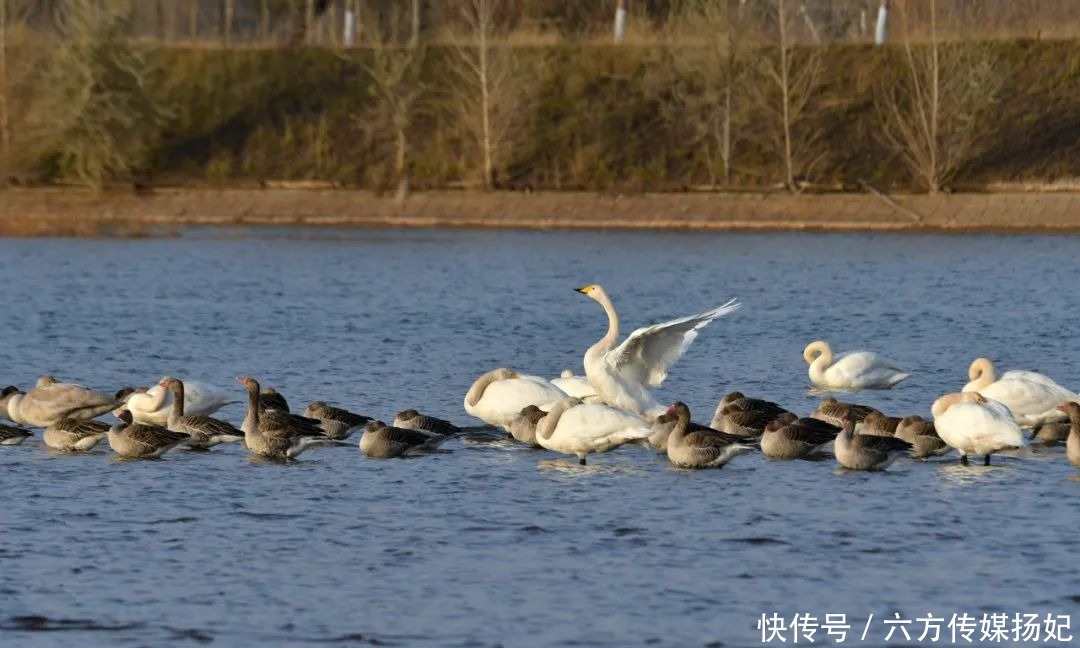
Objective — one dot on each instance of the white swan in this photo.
(152, 407)
(498, 396)
(1032, 397)
(576, 386)
(850, 371)
(576, 428)
(623, 374)
(974, 424)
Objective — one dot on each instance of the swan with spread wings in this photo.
(623, 374)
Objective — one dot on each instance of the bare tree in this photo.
(5, 120)
(488, 91)
(96, 118)
(706, 54)
(394, 87)
(792, 75)
(933, 114)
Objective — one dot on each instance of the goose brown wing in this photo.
(81, 429)
(880, 443)
(814, 436)
(211, 426)
(710, 438)
(152, 436)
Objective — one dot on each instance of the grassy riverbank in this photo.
(593, 118)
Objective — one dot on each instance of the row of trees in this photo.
(94, 115)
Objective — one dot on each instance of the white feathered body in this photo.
(593, 427)
(979, 428)
(856, 370)
(1032, 397)
(200, 399)
(503, 400)
(577, 387)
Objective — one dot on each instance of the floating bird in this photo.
(133, 440)
(576, 428)
(576, 387)
(381, 441)
(974, 424)
(270, 398)
(205, 432)
(699, 448)
(833, 411)
(877, 424)
(50, 401)
(796, 439)
(12, 435)
(498, 396)
(748, 424)
(523, 428)
(152, 406)
(336, 423)
(623, 374)
(73, 435)
(410, 419)
(851, 371)
(1072, 446)
(1032, 397)
(1051, 432)
(923, 437)
(273, 433)
(857, 451)
(665, 423)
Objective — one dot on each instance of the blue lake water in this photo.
(498, 544)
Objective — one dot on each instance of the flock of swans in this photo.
(612, 405)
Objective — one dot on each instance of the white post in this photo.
(882, 30)
(620, 21)
(349, 38)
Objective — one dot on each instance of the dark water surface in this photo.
(497, 544)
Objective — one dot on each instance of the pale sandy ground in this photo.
(76, 212)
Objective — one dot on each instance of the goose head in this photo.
(374, 426)
(1072, 409)
(731, 398)
(125, 416)
(249, 383)
(6, 395)
(405, 415)
(787, 418)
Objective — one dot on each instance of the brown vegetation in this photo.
(686, 111)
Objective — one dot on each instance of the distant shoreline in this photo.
(163, 212)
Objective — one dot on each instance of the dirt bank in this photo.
(74, 212)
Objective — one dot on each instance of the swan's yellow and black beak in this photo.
(585, 290)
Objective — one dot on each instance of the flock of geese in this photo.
(612, 405)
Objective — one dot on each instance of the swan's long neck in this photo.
(942, 404)
(821, 363)
(981, 374)
(476, 392)
(612, 336)
(545, 427)
(158, 399)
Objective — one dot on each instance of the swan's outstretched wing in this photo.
(646, 354)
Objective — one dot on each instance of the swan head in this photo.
(592, 291)
(566, 373)
(814, 350)
(503, 373)
(45, 381)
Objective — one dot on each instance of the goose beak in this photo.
(1062, 408)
